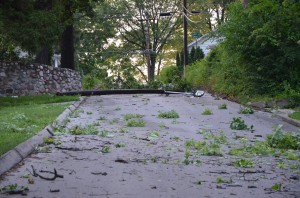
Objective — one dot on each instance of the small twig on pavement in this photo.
(219, 172)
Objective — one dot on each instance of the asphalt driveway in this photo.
(138, 154)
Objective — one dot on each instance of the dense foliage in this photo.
(260, 54)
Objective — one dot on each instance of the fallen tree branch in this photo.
(35, 174)
(99, 173)
(75, 149)
(219, 172)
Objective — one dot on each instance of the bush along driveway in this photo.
(158, 146)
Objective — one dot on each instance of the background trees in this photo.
(127, 41)
(41, 27)
(32, 25)
(142, 29)
(260, 53)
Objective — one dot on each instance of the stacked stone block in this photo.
(20, 79)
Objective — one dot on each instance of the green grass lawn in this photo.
(23, 117)
(295, 115)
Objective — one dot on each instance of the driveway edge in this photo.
(284, 115)
(16, 155)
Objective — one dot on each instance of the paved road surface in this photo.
(149, 161)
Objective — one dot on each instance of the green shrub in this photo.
(169, 75)
(255, 58)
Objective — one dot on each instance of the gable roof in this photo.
(206, 43)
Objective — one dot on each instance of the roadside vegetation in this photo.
(255, 60)
(295, 115)
(22, 117)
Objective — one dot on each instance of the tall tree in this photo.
(192, 54)
(72, 7)
(212, 12)
(142, 28)
(199, 54)
(33, 25)
(92, 36)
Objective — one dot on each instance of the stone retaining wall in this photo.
(20, 79)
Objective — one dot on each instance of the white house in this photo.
(206, 43)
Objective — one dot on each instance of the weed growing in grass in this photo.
(89, 113)
(207, 112)
(14, 128)
(246, 110)
(223, 106)
(238, 124)
(135, 123)
(132, 116)
(168, 114)
(243, 163)
(20, 117)
(84, 130)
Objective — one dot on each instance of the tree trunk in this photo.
(152, 66)
(67, 48)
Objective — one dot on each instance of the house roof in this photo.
(206, 43)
